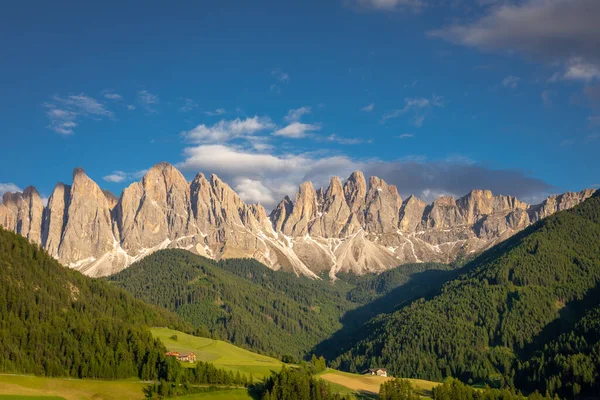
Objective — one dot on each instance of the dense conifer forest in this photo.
(57, 322)
(514, 310)
(252, 306)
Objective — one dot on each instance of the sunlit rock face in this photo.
(355, 226)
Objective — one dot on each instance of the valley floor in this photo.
(220, 353)
(25, 387)
(367, 384)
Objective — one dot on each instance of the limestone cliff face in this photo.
(22, 212)
(351, 226)
(87, 225)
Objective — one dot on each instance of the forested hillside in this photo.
(273, 312)
(57, 322)
(513, 298)
(240, 300)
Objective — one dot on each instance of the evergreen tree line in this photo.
(296, 384)
(57, 322)
(176, 380)
(510, 318)
(242, 301)
(452, 389)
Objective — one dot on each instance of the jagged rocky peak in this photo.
(411, 214)
(155, 210)
(111, 198)
(355, 191)
(280, 213)
(335, 211)
(23, 212)
(443, 214)
(304, 211)
(382, 207)
(558, 203)
(87, 228)
(54, 217)
(350, 226)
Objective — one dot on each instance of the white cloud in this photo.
(406, 136)
(63, 112)
(224, 130)
(418, 121)
(368, 108)
(418, 107)
(148, 100)
(511, 82)
(218, 111)
(547, 96)
(559, 32)
(188, 105)
(253, 191)
(9, 187)
(120, 176)
(111, 95)
(278, 175)
(578, 69)
(267, 178)
(130, 107)
(342, 140)
(295, 114)
(281, 76)
(296, 130)
(390, 5)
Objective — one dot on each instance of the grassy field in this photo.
(369, 385)
(19, 397)
(25, 387)
(221, 354)
(68, 389)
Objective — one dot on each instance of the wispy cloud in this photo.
(8, 187)
(406, 135)
(511, 82)
(579, 69)
(417, 107)
(111, 95)
(121, 176)
(547, 97)
(226, 130)
(130, 107)
(218, 111)
(280, 76)
(342, 140)
(368, 108)
(188, 105)
(389, 5)
(295, 114)
(63, 112)
(148, 101)
(558, 32)
(296, 130)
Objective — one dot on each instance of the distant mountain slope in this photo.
(240, 300)
(55, 321)
(359, 225)
(479, 324)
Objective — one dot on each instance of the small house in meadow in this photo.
(187, 357)
(376, 372)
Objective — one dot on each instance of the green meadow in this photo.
(221, 354)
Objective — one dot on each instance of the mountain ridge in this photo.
(350, 227)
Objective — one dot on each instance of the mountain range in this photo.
(353, 226)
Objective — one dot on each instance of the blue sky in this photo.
(436, 96)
